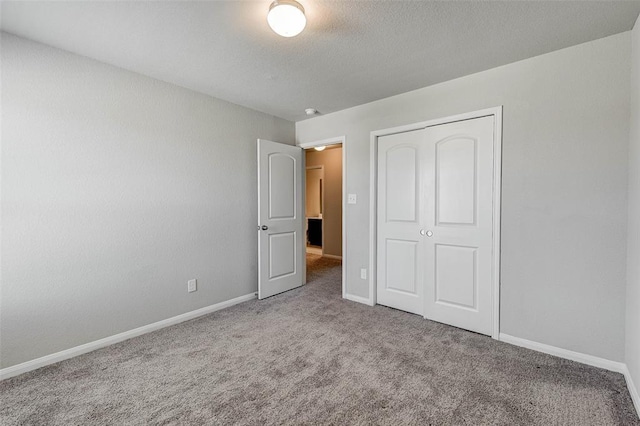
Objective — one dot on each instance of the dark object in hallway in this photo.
(314, 232)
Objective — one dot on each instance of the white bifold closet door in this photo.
(435, 222)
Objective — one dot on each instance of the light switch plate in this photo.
(192, 285)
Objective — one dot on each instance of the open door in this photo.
(280, 218)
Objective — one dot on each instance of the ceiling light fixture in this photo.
(286, 17)
(311, 111)
(319, 148)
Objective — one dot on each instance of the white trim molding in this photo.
(496, 112)
(34, 364)
(607, 364)
(633, 390)
(358, 299)
(332, 256)
(594, 361)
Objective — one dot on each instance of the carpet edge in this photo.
(34, 364)
(633, 391)
(594, 361)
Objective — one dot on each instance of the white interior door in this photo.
(460, 224)
(400, 282)
(435, 222)
(280, 218)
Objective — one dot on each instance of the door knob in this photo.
(429, 234)
(425, 232)
(265, 227)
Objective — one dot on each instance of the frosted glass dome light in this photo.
(286, 18)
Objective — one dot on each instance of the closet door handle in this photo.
(427, 233)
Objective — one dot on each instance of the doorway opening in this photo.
(314, 202)
(324, 213)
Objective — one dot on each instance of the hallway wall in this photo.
(331, 159)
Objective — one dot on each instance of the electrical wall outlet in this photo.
(192, 285)
(352, 199)
(363, 273)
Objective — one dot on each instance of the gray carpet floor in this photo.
(309, 357)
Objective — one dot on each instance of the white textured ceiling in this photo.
(351, 52)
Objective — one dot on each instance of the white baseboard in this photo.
(595, 361)
(618, 367)
(332, 256)
(358, 299)
(15, 370)
(633, 390)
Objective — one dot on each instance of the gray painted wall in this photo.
(117, 189)
(566, 133)
(633, 248)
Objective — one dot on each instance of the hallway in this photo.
(325, 271)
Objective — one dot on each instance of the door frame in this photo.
(326, 142)
(496, 112)
(307, 168)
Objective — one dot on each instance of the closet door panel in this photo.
(458, 279)
(400, 253)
